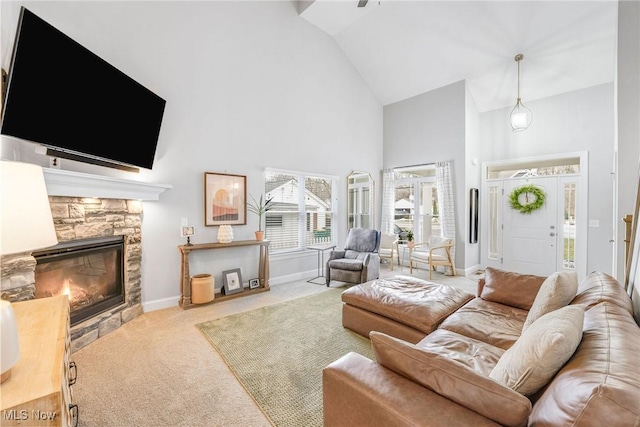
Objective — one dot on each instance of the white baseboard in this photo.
(160, 304)
(305, 275)
(469, 271)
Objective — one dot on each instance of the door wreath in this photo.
(533, 198)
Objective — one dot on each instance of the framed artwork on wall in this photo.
(232, 281)
(224, 199)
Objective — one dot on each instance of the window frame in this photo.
(415, 182)
(303, 213)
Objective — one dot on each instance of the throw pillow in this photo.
(541, 350)
(451, 379)
(510, 288)
(556, 291)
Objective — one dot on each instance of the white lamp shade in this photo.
(9, 344)
(520, 117)
(25, 215)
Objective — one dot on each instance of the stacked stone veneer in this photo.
(80, 218)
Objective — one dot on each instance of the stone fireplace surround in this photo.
(83, 206)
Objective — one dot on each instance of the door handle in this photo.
(552, 234)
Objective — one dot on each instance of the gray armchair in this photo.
(359, 261)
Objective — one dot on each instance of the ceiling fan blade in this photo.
(362, 3)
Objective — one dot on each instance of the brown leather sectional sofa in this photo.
(436, 372)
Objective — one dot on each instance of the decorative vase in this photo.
(202, 288)
(259, 236)
(225, 234)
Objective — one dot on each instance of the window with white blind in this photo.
(302, 212)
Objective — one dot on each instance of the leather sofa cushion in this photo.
(451, 379)
(556, 292)
(599, 287)
(509, 288)
(541, 350)
(496, 324)
(413, 302)
(477, 355)
(358, 392)
(600, 384)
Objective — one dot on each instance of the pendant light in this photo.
(520, 116)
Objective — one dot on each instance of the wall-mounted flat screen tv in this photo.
(66, 98)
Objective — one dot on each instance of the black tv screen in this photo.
(65, 97)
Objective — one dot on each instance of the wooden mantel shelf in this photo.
(185, 278)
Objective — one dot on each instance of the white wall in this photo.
(628, 112)
(445, 124)
(473, 179)
(428, 128)
(575, 121)
(248, 85)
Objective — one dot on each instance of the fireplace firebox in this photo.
(89, 271)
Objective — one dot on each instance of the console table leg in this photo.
(185, 286)
(264, 267)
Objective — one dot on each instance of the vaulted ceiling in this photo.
(405, 48)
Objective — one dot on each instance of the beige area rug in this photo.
(278, 352)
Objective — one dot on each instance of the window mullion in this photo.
(302, 217)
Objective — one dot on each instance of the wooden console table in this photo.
(185, 279)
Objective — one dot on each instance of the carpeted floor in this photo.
(283, 372)
(159, 370)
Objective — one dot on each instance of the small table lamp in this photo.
(25, 225)
(187, 231)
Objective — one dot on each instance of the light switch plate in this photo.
(184, 221)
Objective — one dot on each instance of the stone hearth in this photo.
(77, 217)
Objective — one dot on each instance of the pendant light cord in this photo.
(518, 80)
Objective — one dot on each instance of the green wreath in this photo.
(528, 191)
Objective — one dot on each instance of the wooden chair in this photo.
(388, 247)
(437, 252)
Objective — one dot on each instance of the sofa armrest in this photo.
(357, 391)
(371, 258)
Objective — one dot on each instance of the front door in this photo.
(530, 240)
(548, 239)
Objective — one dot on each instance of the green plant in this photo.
(259, 208)
(410, 235)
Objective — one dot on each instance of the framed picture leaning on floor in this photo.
(232, 281)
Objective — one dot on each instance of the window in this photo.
(569, 226)
(416, 202)
(566, 166)
(302, 213)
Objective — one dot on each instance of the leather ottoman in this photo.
(403, 306)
